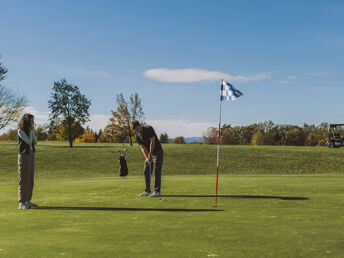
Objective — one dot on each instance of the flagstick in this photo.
(218, 149)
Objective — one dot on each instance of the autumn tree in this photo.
(273, 136)
(67, 104)
(62, 132)
(10, 135)
(293, 135)
(126, 112)
(179, 140)
(87, 136)
(258, 138)
(230, 135)
(41, 132)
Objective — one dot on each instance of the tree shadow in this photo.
(120, 209)
(244, 197)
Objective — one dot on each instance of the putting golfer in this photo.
(26, 149)
(153, 153)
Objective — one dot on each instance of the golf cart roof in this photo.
(335, 125)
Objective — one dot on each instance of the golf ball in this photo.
(163, 198)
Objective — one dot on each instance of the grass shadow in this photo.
(245, 197)
(8, 143)
(119, 209)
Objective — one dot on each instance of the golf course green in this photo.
(274, 201)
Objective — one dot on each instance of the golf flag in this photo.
(229, 92)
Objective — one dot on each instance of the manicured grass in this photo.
(104, 217)
(56, 160)
(276, 202)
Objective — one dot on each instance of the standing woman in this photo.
(26, 149)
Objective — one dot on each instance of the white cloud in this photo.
(291, 77)
(176, 128)
(98, 121)
(196, 75)
(41, 118)
(317, 74)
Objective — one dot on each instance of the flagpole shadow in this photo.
(120, 209)
(286, 198)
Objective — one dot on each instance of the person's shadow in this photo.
(121, 209)
(286, 198)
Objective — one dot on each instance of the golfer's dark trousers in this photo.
(156, 170)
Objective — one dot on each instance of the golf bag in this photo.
(123, 168)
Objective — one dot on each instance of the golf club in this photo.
(150, 175)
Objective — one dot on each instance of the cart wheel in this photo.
(331, 145)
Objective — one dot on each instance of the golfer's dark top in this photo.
(143, 139)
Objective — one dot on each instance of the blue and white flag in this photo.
(229, 92)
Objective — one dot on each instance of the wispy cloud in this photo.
(174, 127)
(196, 75)
(98, 121)
(286, 79)
(318, 74)
(41, 118)
(78, 71)
(282, 82)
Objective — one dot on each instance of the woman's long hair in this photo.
(26, 123)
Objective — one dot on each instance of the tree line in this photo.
(268, 133)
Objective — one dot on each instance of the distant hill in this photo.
(190, 139)
(193, 139)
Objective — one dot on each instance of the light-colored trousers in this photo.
(26, 163)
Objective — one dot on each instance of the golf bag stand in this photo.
(123, 168)
(122, 163)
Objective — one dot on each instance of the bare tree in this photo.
(11, 102)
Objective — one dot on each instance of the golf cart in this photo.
(336, 138)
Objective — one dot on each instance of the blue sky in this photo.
(285, 56)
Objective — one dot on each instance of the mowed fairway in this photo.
(87, 210)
